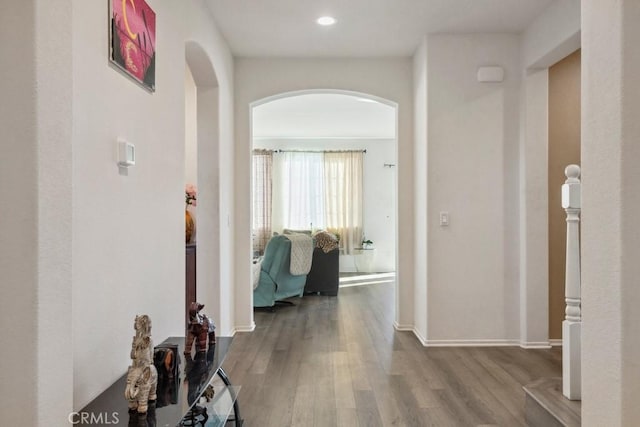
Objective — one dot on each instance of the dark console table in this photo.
(180, 404)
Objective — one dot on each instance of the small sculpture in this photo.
(142, 377)
(200, 327)
(166, 360)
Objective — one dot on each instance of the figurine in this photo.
(165, 357)
(166, 360)
(142, 376)
(200, 327)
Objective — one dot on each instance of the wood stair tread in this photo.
(546, 393)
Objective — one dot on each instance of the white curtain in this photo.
(298, 191)
(343, 196)
(262, 199)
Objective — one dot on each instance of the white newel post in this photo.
(571, 326)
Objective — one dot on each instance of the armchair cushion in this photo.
(276, 282)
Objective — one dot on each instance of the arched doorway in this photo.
(335, 120)
(201, 139)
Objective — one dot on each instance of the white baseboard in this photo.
(477, 343)
(471, 343)
(422, 339)
(535, 344)
(250, 328)
(399, 327)
(484, 343)
(409, 328)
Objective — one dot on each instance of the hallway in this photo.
(338, 361)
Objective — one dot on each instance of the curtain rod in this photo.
(320, 151)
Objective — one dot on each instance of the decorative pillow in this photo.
(326, 241)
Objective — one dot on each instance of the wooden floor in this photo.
(337, 361)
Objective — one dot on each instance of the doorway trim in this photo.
(208, 181)
(357, 94)
(534, 229)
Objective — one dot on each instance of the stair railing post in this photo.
(572, 325)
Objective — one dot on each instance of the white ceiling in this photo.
(324, 116)
(365, 28)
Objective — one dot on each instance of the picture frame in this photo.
(132, 40)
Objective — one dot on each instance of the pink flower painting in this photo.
(133, 40)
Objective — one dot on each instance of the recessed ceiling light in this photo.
(326, 20)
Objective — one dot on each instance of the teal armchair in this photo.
(276, 282)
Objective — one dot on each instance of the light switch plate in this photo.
(444, 219)
(126, 153)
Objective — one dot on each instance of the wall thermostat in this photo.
(126, 153)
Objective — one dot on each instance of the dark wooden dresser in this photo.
(190, 279)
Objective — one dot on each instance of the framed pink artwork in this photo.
(132, 40)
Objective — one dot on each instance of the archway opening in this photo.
(201, 157)
(315, 122)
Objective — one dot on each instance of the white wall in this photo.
(610, 212)
(421, 166)
(215, 165)
(35, 212)
(378, 191)
(128, 240)
(390, 79)
(191, 144)
(454, 99)
(472, 174)
(534, 230)
(553, 35)
(190, 128)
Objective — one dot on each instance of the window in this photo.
(319, 190)
(301, 187)
(343, 196)
(262, 199)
